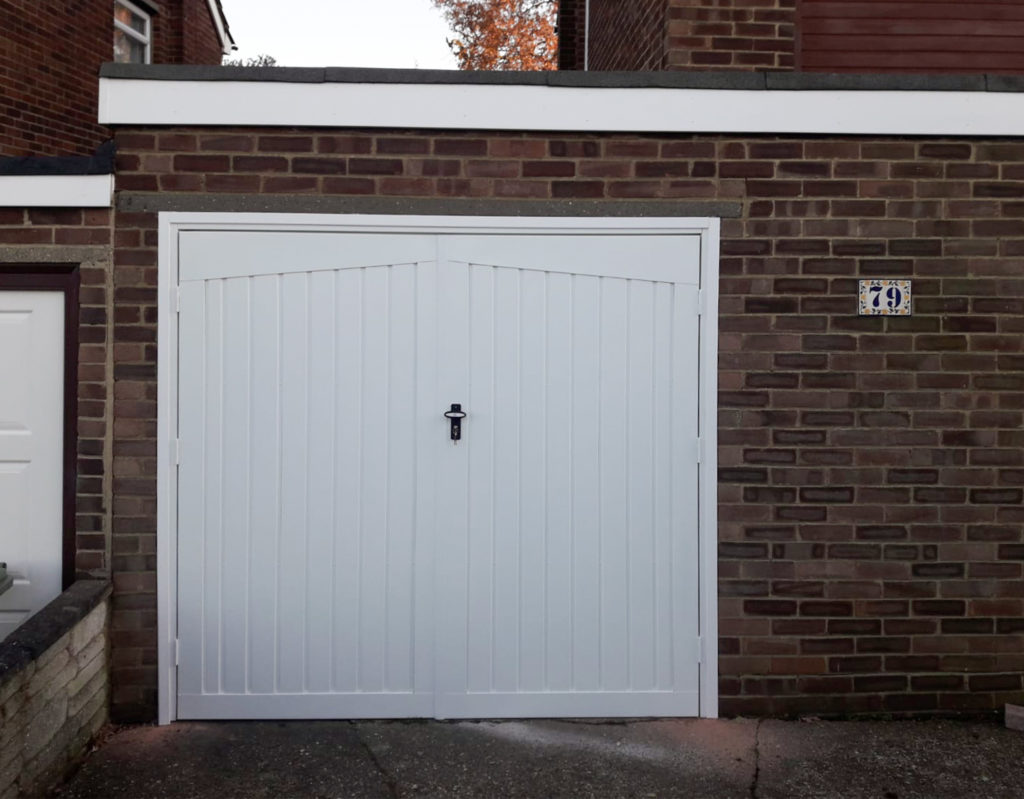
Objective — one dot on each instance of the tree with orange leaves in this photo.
(502, 34)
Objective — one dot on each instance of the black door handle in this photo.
(455, 416)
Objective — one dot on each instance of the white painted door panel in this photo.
(31, 448)
(299, 418)
(339, 556)
(569, 532)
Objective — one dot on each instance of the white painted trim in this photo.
(173, 223)
(227, 44)
(68, 191)
(707, 498)
(559, 108)
(167, 471)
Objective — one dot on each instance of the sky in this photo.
(341, 33)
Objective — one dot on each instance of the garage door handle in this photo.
(455, 416)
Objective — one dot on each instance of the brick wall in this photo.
(730, 34)
(53, 694)
(871, 468)
(50, 52)
(50, 55)
(885, 36)
(679, 34)
(200, 44)
(925, 36)
(81, 237)
(627, 36)
(571, 21)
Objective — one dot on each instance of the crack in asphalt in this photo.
(389, 779)
(757, 760)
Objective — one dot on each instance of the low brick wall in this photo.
(54, 688)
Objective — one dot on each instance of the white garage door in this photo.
(339, 555)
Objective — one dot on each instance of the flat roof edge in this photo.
(100, 163)
(732, 80)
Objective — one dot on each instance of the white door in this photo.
(339, 556)
(31, 450)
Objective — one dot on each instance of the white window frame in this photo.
(145, 39)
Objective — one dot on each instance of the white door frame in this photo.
(173, 223)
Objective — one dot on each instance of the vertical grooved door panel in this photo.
(298, 531)
(560, 593)
(341, 556)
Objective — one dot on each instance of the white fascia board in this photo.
(227, 44)
(65, 191)
(556, 108)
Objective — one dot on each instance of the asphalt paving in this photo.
(705, 759)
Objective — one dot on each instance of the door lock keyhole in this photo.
(455, 416)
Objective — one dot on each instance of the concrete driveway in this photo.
(739, 759)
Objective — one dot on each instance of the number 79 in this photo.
(892, 293)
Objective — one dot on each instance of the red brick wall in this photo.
(571, 20)
(679, 34)
(938, 36)
(730, 34)
(185, 33)
(627, 36)
(871, 477)
(50, 55)
(200, 42)
(924, 36)
(55, 235)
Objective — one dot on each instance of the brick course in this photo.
(870, 467)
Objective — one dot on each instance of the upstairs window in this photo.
(132, 33)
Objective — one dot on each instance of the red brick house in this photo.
(57, 275)
(926, 36)
(693, 478)
(53, 51)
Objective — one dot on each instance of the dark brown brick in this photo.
(202, 163)
(770, 607)
(375, 166)
(319, 166)
(825, 608)
(285, 144)
(939, 607)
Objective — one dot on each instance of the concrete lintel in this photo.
(303, 204)
(53, 254)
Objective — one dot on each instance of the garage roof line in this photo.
(570, 102)
(735, 80)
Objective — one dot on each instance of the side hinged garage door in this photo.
(340, 555)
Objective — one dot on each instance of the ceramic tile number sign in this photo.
(885, 298)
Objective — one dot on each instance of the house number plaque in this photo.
(884, 298)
